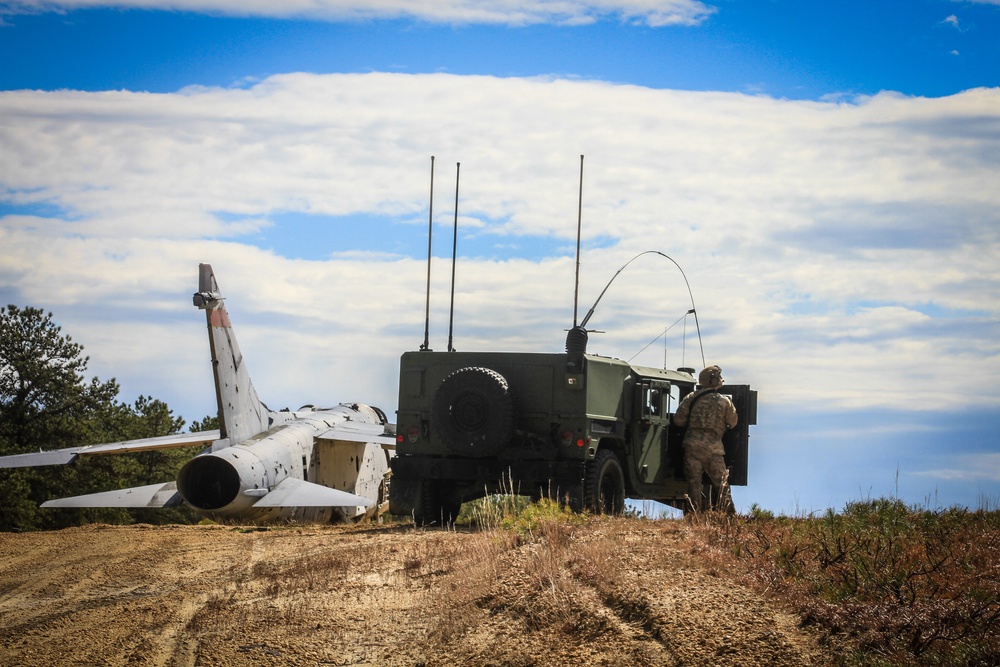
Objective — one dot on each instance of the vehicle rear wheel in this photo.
(432, 508)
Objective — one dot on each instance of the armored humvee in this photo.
(584, 429)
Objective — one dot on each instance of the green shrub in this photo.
(518, 514)
(908, 585)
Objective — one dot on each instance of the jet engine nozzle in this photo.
(219, 481)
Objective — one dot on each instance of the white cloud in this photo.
(984, 467)
(855, 243)
(951, 20)
(655, 13)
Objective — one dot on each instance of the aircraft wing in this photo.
(292, 492)
(154, 495)
(51, 458)
(351, 431)
(62, 456)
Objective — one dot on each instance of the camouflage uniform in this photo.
(703, 451)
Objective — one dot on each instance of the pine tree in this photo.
(43, 395)
(46, 403)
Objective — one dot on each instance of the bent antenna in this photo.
(693, 310)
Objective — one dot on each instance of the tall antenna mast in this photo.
(430, 232)
(579, 224)
(454, 256)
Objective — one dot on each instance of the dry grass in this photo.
(904, 586)
(884, 584)
(533, 563)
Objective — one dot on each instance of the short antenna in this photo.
(579, 224)
(454, 256)
(430, 232)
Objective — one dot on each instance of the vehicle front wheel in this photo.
(604, 485)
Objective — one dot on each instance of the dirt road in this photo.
(610, 592)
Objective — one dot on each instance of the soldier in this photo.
(707, 414)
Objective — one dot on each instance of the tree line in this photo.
(47, 403)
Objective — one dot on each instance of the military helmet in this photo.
(710, 377)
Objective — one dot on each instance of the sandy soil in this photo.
(611, 592)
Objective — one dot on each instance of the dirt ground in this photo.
(610, 592)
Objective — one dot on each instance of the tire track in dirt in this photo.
(88, 597)
(606, 592)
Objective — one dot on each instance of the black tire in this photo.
(604, 484)
(431, 508)
(473, 411)
(428, 505)
(573, 497)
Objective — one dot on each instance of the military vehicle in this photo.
(585, 429)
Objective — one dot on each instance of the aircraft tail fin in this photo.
(242, 415)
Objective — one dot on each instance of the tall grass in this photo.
(526, 559)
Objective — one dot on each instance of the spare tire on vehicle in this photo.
(473, 411)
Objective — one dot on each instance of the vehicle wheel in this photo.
(428, 506)
(473, 411)
(450, 512)
(604, 485)
(431, 507)
(573, 498)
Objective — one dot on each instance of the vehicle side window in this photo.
(673, 399)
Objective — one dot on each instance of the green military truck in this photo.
(588, 430)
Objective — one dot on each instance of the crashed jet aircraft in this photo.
(314, 465)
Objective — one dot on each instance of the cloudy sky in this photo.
(825, 173)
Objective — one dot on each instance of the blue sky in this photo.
(798, 50)
(824, 172)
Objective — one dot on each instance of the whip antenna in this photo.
(693, 310)
(579, 222)
(430, 232)
(454, 256)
